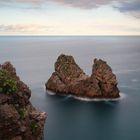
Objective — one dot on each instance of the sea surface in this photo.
(73, 119)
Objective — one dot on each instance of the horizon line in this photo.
(59, 35)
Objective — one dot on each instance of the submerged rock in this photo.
(69, 79)
(19, 120)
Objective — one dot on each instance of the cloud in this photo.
(84, 4)
(130, 7)
(22, 1)
(123, 28)
(27, 28)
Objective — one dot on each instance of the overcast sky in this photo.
(69, 17)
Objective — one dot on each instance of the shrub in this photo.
(21, 111)
(33, 126)
(7, 83)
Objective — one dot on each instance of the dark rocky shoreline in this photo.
(19, 120)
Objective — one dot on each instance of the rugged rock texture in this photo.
(69, 78)
(19, 120)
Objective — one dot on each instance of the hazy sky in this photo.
(69, 17)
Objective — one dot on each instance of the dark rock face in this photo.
(106, 80)
(69, 78)
(19, 120)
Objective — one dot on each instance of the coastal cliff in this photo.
(19, 120)
(69, 79)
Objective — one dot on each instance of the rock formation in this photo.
(19, 120)
(69, 79)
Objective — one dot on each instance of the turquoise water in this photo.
(69, 118)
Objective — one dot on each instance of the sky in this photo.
(69, 17)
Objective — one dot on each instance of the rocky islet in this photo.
(70, 79)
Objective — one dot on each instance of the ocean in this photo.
(74, 119)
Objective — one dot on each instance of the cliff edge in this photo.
(19, 120)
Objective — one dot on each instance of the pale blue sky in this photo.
(63, 17)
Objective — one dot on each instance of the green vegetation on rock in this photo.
(33, 126)
(21, 111)
(7, 83)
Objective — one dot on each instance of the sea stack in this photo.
(19, 120)
(69, 79)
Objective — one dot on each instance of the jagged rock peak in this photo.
(106, 78)
(67, 69)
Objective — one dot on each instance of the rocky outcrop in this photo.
(19, 120)
(69, 78)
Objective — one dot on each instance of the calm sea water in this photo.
(68, 118)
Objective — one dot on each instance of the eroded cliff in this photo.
(19, 120)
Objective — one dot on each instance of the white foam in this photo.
(50, 92)
(122, 96)
(135, 80)
(44, 87)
